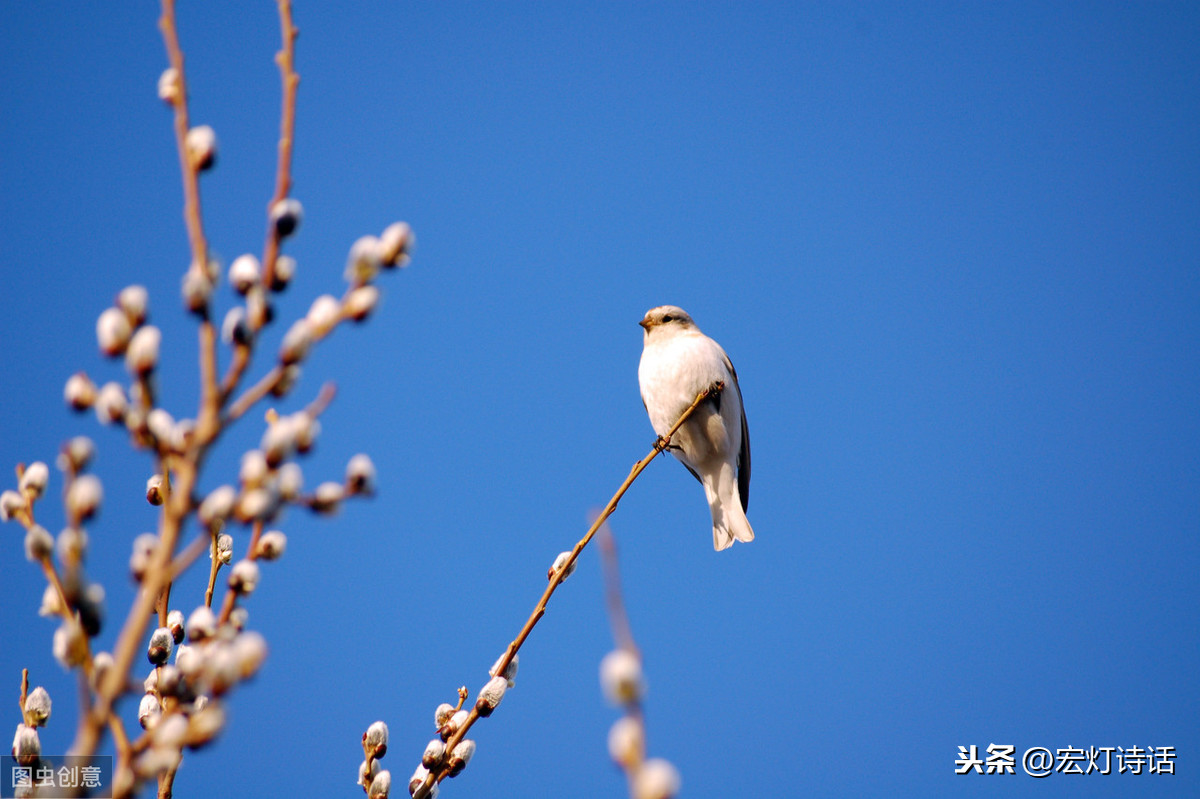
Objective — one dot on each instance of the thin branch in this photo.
(623, 636)
(253, 394)
(24, 692)
(622, 631)
(286, 59)
(559, 575)
(191, 181)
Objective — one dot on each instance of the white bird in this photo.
(678, 362)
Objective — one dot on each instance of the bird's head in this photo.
(666, 318)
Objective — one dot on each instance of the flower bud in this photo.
(142, 355)
(364, 261)
(418, 779)
(71, 544)
(201, 625)
(244, 273)
(656, 779)
(51, 604)
(76, 454)
(324, 314)
(160, 647)
(133, 301)
(271, 545)
(621, 677)
(196, 290)
(286, 216)
(170, 731)
(285, 270)
(169, 89)
(201, 145)
(224, 549)
(367, 773)
(442, 714)
(291, 481)
(11, 503)
(490, 696)
(626, 742)
(510, 672)
(169, 680)
(190, 660)
(143, 552)
(234, 329)
(381, 786)
(327, 498)
(27, 747)
(296, 342)
(360, 302)
(154, 493)
(205, 723)
(257, 504)
(37, 707)
(306, 429)
(101, 663)
(113, 332)
(34, 479)
(375, 739)
(559, 563)
(80, 391)
(457, 719)
(249, 652)
(38, 544)
(160, 424)
(70, 644)
(460, 755)
(435, 752)
(360, 475)
(254, 469)
(111, 404)
(244, 577)
(238, 618)
(217, 506)
(84, 496)
(287, 380)
(175, 624)
(396, 244)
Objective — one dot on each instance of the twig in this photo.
(558, 576)
(623, 636)
(24, 692)
(622, 631)
(285, 58)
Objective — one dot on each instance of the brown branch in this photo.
(286, 59)
(559, 575)
(253, 394)
(24, 692)
(622, 631)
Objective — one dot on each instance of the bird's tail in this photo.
(729, 517)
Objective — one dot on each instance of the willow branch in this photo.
(557, 577)
(286, 59)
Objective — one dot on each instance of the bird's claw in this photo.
(661, 444)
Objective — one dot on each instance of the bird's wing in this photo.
(744, 453)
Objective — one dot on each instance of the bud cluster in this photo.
(376, 782)
(623, 684)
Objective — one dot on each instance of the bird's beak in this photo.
(645, 323)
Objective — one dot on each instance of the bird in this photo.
(678, 362)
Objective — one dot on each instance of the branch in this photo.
(285, 58)
(557, 577)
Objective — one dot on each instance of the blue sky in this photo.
(953, 250)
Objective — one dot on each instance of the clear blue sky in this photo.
(953, 250)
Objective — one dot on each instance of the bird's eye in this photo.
(668, 318)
